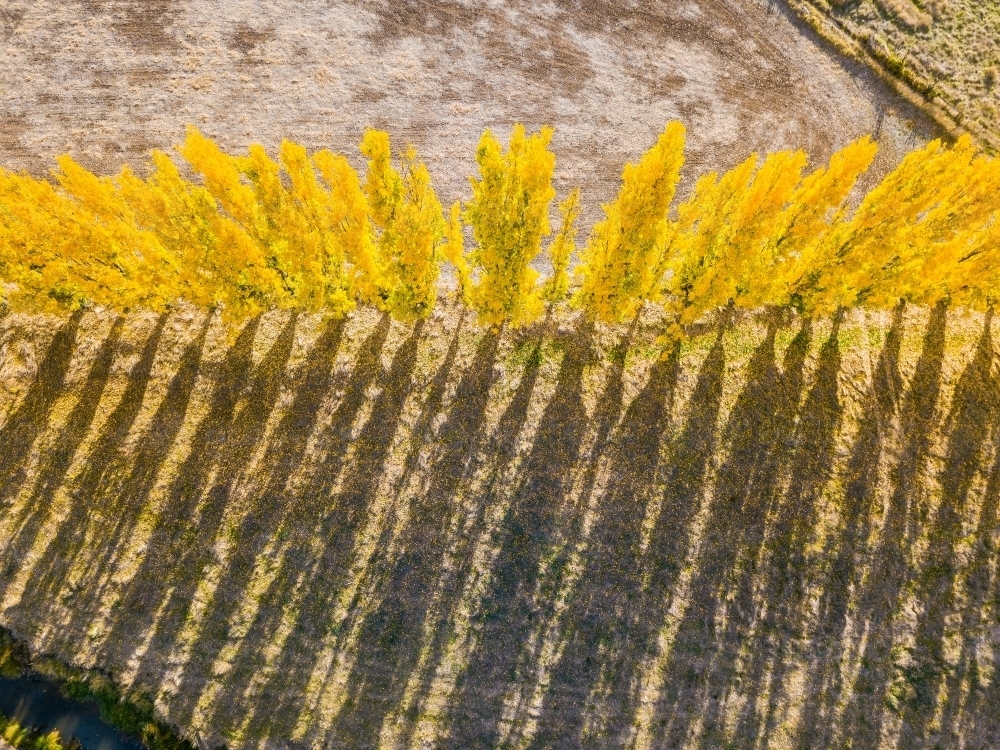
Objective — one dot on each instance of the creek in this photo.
(37, 703)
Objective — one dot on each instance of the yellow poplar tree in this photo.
(509, 215)
(785, 265)
(347, 210)
(956, 241)
(621, 259)
(408, 216)
(322, 234)
(726, 273)
(693, 250)
(41, 263)
(453, 251)
(561, 249)
(217, 263)
(146, 270)
(864, 256)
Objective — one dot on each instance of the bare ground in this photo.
(108, 80)
(370, 535)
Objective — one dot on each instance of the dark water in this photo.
(38, 704)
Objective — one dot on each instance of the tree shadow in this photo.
(968, 426)
(976, 718)
(241, 437)
(509, 611)
(848, 550)
(498, 458)
(292, 577)
(787, 570)
(156, 602)
(55, 464)
(134, 490)
(605, 417)
(685, 467)
(89, 490)
(337, 519)
(600, 639)
(32, 415)
(746, 487)
(314, 381)
(391, 635)
(265, 511)
(865, 715)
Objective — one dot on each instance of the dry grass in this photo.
(948, 47)
(371, 535)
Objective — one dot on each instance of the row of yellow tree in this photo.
(249, 233)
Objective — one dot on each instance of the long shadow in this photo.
(499, 455)
(32, 415)
(391, 635)
(747, 484)
(127, 497)
(864, 716)
(293, 576)
(880, 601)
(974, 718)
(969, 424)
(167, 545)
(682, 477)
(788, 569)
(337, 517)
(200, 493)
(241, 440)
(282, 458)
(526, 533)
(860, 509)
(601, 635)
(606, 415)
(56, 462)
(265, 511)
(322, 514)
(103, 466)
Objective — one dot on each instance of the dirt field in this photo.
(107, 80)
(370, 535)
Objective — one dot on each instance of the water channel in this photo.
(38, 704)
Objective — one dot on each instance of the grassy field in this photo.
(949, 49)
(370, 535)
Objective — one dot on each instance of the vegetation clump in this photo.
(131, 712)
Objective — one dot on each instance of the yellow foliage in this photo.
(509, 215)
(408, 217)
(621, 263)
(868, 258)
(254, 233)
(561, 249)
(704, 220)
(454, 252)
(789, 256)
(215, 261)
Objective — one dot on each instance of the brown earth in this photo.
(108, 80)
